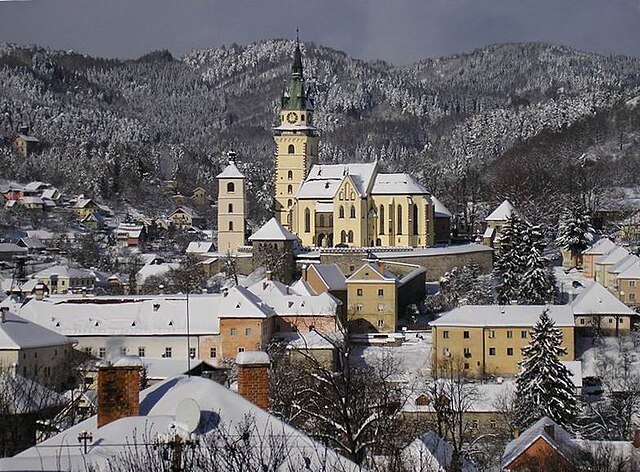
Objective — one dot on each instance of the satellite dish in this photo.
(188, 415)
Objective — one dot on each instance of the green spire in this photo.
(295, 96)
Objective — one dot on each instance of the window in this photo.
(466, 366)
(230, 225)
(343, 237)
(399, 223)
(359, 292)
(289, 189)
(352, 212)
(632, 296)
(381, 292)
(493, 424)
(359, 308)
(380, 307)
(213, 353)
(167, 352)
(492, 334)
(102, 352)
(231, 187)
(523, 334)
(291, 149)
(610, 320)
(123, 351)
(352, 196)
(581, 321)
(381, 217)
(509, 334)
(415, 219)
(240, 349)
(509, 351)
(192, 352)
(467, 352)
(341, 212)
(290, 175)
(341, 195)
(302, 117)
(247, 331)
(234, 331)
(492, 351)
(446, 352)
(445, 334)
(350, 236)
(465, 334)
(307, 220)
(632, 283)
(87, 350)
(380, 323)
(141, 351)
(289, 203)
(230, 208)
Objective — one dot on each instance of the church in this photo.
(329, 205)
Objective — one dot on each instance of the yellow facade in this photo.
(372, 301)
(490, 350)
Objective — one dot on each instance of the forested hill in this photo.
(464, 124)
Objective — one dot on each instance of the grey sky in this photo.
(398, 31)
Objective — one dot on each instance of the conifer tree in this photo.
(537, 283)
(510, 264)
(574, 230)
(544, 387)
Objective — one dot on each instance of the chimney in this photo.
(3, 313)
(380, 265)
(549, 430)
(635, 439)
(304, 272)
(253, 377)
(269, 275)
(118, 393)
(39, 290)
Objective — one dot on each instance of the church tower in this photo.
(231, 207)
(296, 141)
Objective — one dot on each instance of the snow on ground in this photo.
(413, 356)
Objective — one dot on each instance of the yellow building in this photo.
(346, 204)
(490, 338)
(629, 285)
(231, 207)
(372, 300)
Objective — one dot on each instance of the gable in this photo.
(539, 453)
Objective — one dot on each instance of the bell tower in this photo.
(231, 207)
(296, 142)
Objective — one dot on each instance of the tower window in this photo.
(307, 221)
(341, 213)
(302, 117)
(381, 216)
(343, 236)
(399, 224)
(231, 187)
(290, 175)
(230, 225)
(292, 149)
(289, 189)
(350, 236)
(230, 208)
(352, 212)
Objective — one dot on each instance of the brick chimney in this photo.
(40, 290)
(253, 377)
(269, 275)
(118, 393)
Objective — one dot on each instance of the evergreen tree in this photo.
(544, 387)
(510, 264)
(537, 283)
(574, 230)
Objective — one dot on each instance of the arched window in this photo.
(343, 236)
(399, 223)
(415, 219)
(290, 175)
(307, 220)
(350, 237)
(390, 218)
(341, 196)
(321, 220)
(381, 217)
(292, 149)
(230, 208)
(352, 212)
(289, 203)
(231, 187)
(302, 117)
(341, 212)
(230, 225)
(289, 189)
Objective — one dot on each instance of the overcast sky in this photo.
(399, 31)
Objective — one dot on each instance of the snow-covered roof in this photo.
(624, 264)
(21, 395)
(561, 440)
(502, 213)
(32, 200)
(272, 230)
(368, 266)
(158, 409)
(160, 368)
(601, 246)
(324, 179)
(84, 202)
(199, 247)
(432, 453)
(64, 271)
(439, 209)
(324, 207)
(613, 257)
(41, 234)
(30, 139)
(230, 172)
(330, 275)
(301, 287)
(239, 302)
(597, 300)
(18, 333)
(631, 272)
(155, 270)
(10, 247)
(36, 185)
(309, 340)
(397, 184)
(32, 243)
(187, 211)
(51, 193)
(504, 315)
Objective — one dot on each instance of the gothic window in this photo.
(292, 149)
(289, 189)
(230, 208)
(230, 225)
(399, 223)
(350, 236)
(381, 217)
(341, 195)
(307, 221)
(352, 212)
(289, 203)
(341, 212)
(231, 187)
(390, 218)
(290, 175)
(415, 219)
(343, 236)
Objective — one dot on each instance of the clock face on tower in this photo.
(292, 117)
